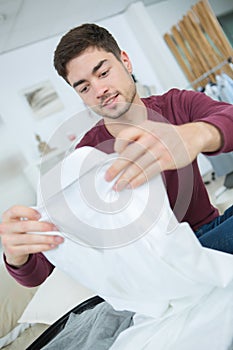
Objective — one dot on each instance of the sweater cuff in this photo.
(23, 269)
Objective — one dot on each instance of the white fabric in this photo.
(47, 307)
(13, 334)
(181, 292)
(225, 85)
(212, 91)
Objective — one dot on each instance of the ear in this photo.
(126, 61)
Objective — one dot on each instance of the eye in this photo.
(105, 73)
(83, 89)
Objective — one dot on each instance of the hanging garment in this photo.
(212, 90)
(129, 248)
(225, 84)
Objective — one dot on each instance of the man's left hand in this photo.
(152, 147)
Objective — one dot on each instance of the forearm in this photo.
(210, 137)
(33, 272)
(203, 109)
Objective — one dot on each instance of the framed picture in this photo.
(43, 99)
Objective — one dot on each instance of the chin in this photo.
(118, 112)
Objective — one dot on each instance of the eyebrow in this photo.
(94, 70)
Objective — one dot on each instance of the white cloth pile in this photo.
(129, 249)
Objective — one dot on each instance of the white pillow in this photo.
(56, 296)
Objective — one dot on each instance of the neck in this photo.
(134, 116)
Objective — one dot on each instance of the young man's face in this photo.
(104, 83)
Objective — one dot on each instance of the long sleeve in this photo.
(33, 272)
(200, 107)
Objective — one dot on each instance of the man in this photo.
(157, 134)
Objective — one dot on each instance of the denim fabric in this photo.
(218, 234)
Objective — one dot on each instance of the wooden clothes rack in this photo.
(200, 46)
(209, 72)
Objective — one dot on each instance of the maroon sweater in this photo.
(186, 191)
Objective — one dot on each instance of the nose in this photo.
(100, 89)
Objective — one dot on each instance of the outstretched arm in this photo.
(153, 147)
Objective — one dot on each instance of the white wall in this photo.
(154, 47)
(27, 67)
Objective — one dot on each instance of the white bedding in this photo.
(13, 334)
(27, 337)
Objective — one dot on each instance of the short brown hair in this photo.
(78, 39)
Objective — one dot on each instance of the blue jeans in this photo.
(218, 234)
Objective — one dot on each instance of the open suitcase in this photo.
(55, 328)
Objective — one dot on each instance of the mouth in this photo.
(110, 101)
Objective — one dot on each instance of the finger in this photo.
(26, 226)
(125, 137)
(134, 169)
(133, 135)
(126, 158)
(18, 211)
(131, 153)
(32, 249)
(31, 239)
(145, 176)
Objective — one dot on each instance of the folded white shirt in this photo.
(129, 248)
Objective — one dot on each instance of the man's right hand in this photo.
(17, 245)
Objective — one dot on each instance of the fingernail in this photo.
(59, 239)
(107, 176)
